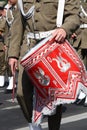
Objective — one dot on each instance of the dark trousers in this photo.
(55, 120)
(83, 55)
(2, 63)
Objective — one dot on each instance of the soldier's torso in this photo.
(81, 40)
(11, 15)
(2, 29)
(2, 53)
(2, 24)
(44, 15)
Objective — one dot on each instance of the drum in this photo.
(57, 73)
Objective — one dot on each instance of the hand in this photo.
(74, 36)
(4, 48)
(59, 34)
(13, 63)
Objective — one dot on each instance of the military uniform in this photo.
(44, 20)
(2, 51)
(9, 20)
(80, 41)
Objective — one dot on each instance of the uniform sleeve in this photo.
(16, 36)
(2, 24)
(71, 16)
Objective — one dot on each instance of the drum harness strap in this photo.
(30, 13)
(85, 14)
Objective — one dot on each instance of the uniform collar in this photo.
(8, 6)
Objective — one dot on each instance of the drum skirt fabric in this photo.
(57, 73)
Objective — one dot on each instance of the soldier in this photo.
(9, 19)
(2, 46)
(5, 24)
(44, 20)
(80, 44)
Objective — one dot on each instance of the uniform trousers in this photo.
(2, 62)
(83, 55)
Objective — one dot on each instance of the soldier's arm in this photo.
(71, 16)
(71, 21)
(16, 36)
(15, 41)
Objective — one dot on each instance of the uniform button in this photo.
(37, 10)
(37, 0)
(36, 20)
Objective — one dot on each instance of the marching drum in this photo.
(57, 73)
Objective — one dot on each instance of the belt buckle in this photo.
(37, 35)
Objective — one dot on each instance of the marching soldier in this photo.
(9, 20)
(42, 19)
(80, 43)
(2, 45)
(5, 25)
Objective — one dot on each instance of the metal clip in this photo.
(37, 35)
(28, 41)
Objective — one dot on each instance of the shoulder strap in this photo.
(83, 11)
(30, 11)
(9, 14)
(60, 12)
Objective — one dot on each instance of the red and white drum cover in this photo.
(57, 73)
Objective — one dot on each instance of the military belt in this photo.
(39, 35)
(83, 26)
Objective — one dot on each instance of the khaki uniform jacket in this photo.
(2, 29)
(81, 40)
(2, 53)
(15, 35)
(44, 20)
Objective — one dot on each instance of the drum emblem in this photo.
(62, 63)
(43, 79)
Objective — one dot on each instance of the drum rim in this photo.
(31, 51)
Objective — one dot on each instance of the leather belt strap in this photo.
(83, 26)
